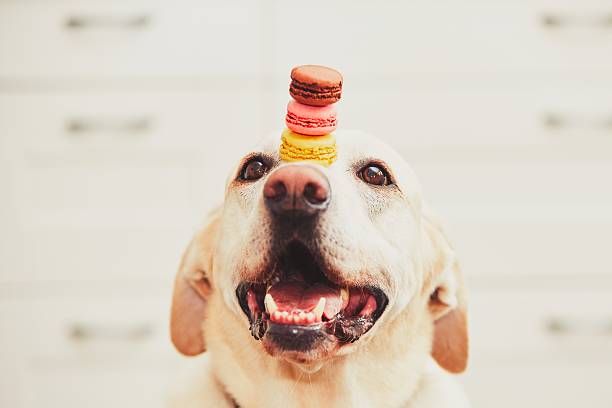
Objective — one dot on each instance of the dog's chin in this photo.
(302, 345)
(303, 316)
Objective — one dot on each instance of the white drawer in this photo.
(522, 212)
(168, 121)
(550, 315)
(540, 342)
(532, 176)
(56, 254)
(87, 346)
(137, 40)
(420, 37)
(81, 320)
(96, 220)
(522, 113)
(531, 247)
(412, 113)
(566, 380)
(99, 219)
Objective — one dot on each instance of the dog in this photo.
(317, 286)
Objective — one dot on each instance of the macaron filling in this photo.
(311, 120)
(315, 91)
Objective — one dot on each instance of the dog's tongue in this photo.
(302, 296)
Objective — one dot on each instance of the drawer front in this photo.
(99, 254)
(562, 381)
(410, 113)
(540, 343)
(91, 123)
(551, 180)
(528, 113)
(92, 347)
(445, 37)
(522, 212)
(544, 317)
(81, 321)
(128, 39)
(101, 220)
(532, 248)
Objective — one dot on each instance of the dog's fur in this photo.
(369, 235)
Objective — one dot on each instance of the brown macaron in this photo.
(315, 85)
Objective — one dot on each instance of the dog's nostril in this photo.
(315, 193)
(296, 191)
(275, 191)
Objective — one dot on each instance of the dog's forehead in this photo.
(356, 146)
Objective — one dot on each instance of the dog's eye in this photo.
(373, 174)
(253, 170)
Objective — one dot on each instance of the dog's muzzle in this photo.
(298, 307)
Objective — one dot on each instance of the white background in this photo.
(114, 116)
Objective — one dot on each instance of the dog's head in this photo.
(315, 261)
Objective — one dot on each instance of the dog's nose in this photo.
(297, 190)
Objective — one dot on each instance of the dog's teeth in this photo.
(310, 317)
(270, 304)
(344, 295)
(277, 316)
(318, 310)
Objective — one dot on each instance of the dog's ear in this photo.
(191, 288)
(447, 302)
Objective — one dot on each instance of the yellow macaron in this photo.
(297, 147)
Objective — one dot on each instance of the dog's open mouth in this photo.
(298, 301)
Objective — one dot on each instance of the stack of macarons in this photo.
(311, 115)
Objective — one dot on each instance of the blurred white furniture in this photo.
(114, 117)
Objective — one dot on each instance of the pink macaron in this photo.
(311, 120)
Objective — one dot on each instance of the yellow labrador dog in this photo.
(322, 286)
